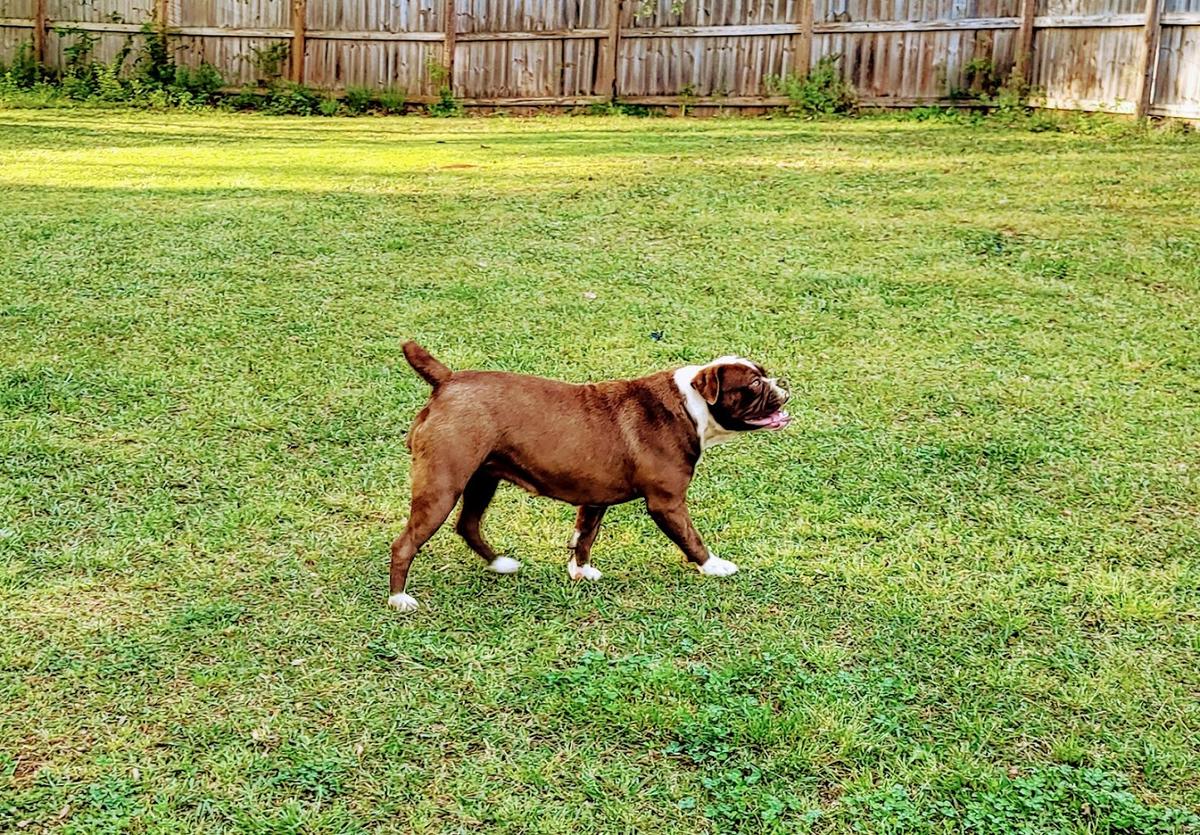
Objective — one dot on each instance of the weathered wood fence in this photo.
(1130, 56)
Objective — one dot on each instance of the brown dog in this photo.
(591, 445)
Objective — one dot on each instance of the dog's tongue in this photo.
(777, 420)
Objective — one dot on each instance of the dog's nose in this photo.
(781, 388)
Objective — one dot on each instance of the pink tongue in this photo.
(778, 420)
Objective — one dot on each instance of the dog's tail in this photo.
(424, 364)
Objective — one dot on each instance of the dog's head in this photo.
(740, 396)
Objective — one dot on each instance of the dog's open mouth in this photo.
(775, 420)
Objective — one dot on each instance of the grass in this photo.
(969, 597)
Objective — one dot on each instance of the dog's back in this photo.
(552, 438)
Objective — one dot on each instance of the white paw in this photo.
(504, 565)
(582, 572)
(714, 566)
(402, 602)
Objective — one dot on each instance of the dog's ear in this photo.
(708, 383)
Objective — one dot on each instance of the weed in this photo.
(687, 96)
(358, 100)
(637, 111)
(984, 81)
(247, 98)
(1042, 799)
(329, 106)
(823, 92)
(155, 65)
(200, 84)
(392, 101)
(285, 98)
(446, 105)
(24, 71)
(270, 62)
(77, 53)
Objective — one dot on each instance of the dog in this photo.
(592, 445)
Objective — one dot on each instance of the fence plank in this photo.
(540, 35)
(299, 22)
(338, 35)
(39, 31)
(606, 71)
(1149, 56)
(1089, 21)
(450, 27)
(802, 46)
(1024, 57)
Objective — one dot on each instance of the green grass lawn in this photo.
(970, 587)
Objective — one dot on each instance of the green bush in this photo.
(823, 92)
(288, 99)
(393, 101)
(358, 100)
(201, 83)
(329, 106)
(154, 80)
(24, 72)
(446, 104)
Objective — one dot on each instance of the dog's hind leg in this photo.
(476, 497)
(587, 525)
(437, 482)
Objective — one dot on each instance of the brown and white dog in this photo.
(591, 445)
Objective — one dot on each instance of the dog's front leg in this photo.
(587, 525)
(671, 515)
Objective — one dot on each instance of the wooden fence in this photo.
(1129, 56)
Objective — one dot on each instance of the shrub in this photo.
(288, 99)
(201, 83)
(358, 100)
(269, 61)
(329, 106)
(822, 92)
(155, 65)
(24, 72)
(392, 101)
(446, 104)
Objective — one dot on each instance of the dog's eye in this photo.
(756, 385)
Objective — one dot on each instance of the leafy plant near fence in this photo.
(446, 104)
(24, 71)
(144, 73)
(1006, 95)
(823, 92)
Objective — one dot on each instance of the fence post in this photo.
(1152, 32)
(1024, 64)
(39, 32)
(802, 46)
(606, 73)
(450, 25)
(299, 24)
